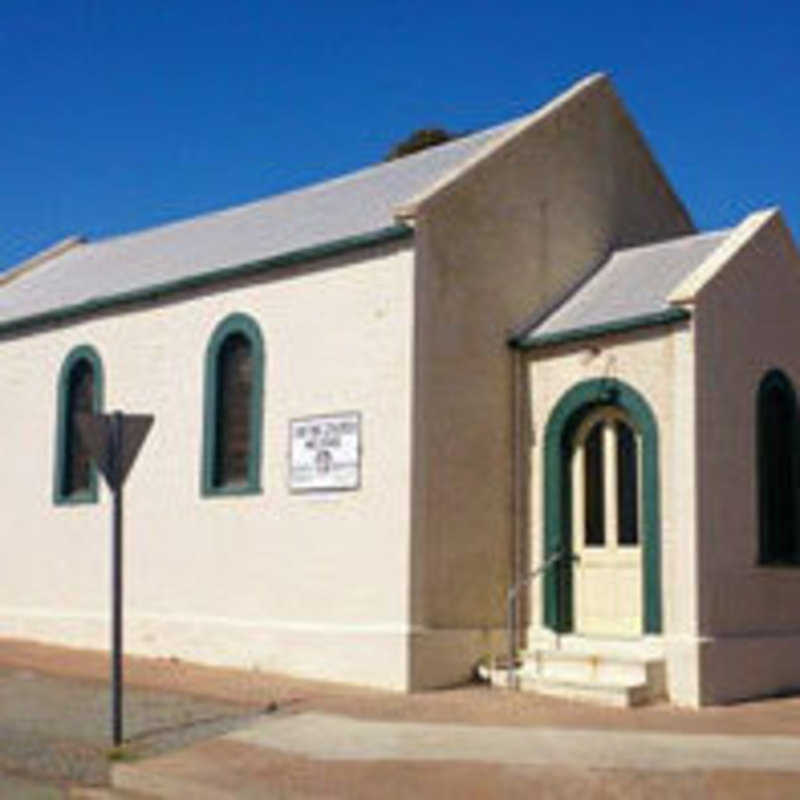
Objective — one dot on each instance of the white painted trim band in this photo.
(383, 628)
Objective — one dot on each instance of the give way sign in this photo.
(114, 441)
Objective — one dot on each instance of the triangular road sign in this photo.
(135, 428)
(96, 431)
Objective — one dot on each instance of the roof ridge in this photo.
(315, 186)
(40, 258)
(671, 240)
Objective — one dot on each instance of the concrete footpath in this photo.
(319, 751)
(201, 732)
(328, 737)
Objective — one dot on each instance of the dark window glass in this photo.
(627, 485)
(593, 482)
(234, 389)
(778, 502)
(80, 394)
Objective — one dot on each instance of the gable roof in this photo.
(631, 288)
(356, 208)
(360, 210)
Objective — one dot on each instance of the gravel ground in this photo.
(57, 728)
(13, 787)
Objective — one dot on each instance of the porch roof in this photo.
(630, 289)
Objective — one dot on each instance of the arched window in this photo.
(234, 373)
(594, 532)
(607, 448)
(80, 391)
(777, 442)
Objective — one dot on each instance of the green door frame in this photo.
(567, 414)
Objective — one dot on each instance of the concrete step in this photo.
(559, 665)
(607, 694)
(620, 681)
(624, 647)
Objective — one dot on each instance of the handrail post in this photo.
(512, 635)
(513, 591)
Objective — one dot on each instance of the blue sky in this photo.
(119, 116)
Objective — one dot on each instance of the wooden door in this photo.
(606, 525)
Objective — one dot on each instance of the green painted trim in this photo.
(776, 378)
(250, 268)
(526, 341)
(232, 491)
(563, 421)
(82, 352)
(246, 325)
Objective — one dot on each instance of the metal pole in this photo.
(116, 560)
(512, 635)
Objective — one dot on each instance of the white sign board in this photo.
(325, 452)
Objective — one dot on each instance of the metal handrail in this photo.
(513, 591)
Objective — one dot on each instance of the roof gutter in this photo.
(160, 291)
(666, 317)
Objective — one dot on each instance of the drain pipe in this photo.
(519, 442)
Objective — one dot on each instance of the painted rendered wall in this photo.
(747, 322)
(314, 585)
(501, 242)
(657, 363)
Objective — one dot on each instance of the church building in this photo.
(505, 366)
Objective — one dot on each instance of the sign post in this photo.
(113, 441)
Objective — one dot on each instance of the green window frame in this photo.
(778, 470)
(66, 435)
(235, 325)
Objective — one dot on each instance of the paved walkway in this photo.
(334, 756)
(330, 737)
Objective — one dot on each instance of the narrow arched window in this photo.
(233, 408)
(606, 451)
(80, 391)
(594, 486)
(627, 483)
(777, 428)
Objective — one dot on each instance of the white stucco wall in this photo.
(314, 585)
(747, 323)
(658, 364)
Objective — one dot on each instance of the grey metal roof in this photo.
(633, 284)
(350, 206)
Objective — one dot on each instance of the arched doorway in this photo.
(602, 505)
